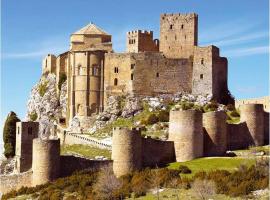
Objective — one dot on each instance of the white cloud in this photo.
(247, 51)
(241, 39)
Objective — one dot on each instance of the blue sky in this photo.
(31, 29)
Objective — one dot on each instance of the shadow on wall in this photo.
(70, 164)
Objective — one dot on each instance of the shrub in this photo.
(212, 106)
(151, 119)
(185, 105)
(184, 169)
(42, 88)
(9, 134)
(33, 116)
(62, 79)
(204, 189)
(163, 116)
(234, 113)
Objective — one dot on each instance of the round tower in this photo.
(187, 133)
(46, 160)
(215, 135)
(126, 150)
(253, 115)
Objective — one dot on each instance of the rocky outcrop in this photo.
(44, 105)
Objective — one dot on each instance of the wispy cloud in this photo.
(54, 45)
(241, 39)
(225, 30)
(247, 51)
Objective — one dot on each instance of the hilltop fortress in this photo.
(174, 63)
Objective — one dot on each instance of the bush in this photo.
(42, 88)
(212, 106)
(184, 169)
(185, 105)
(151, 119)
(9, 134)
(163, 116)
(234, 113)
(62, 79)
(33, 116)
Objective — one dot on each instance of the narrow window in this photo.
(175, 37)
(201, 76)
(131, 77)
(18, 130)
(166, 37)
(115, 81)
(202, 61)
(116, 70)
(46, 63)
(132, 66)
(182, 26)
(185, 37)
(79, 69)
(157, 74)
(29, 130)
(171, 26)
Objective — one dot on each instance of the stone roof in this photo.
(90, 29)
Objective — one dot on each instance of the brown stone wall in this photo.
(49, 64)
(157, 153)
(215, 133)
(152, 74)
(91, 42)
(25, 133)
(126, 151)
(253, 115)
(187, 135)
(140, 41)
(46, 160)
(178, 34)
(70, 164)
(238, 136)
(15, 181)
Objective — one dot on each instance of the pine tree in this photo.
(9, 134)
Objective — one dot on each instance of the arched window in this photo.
(171, 26)
(115, 81)
(182, 26)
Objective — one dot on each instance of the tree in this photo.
(204, 189)
(9, 134)
(107, 184)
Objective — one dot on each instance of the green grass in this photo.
(212, 163)
(85, 150)
(170, 194)
(232, 119)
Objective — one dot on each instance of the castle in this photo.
(174, 63)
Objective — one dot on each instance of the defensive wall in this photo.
(192, 134)
(131, 152)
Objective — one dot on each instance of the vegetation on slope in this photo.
(85, 151)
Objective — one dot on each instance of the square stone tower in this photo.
(49, 64)
(25, 133)
(140, 41)
(178, 34)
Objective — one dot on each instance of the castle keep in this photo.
(174, 63)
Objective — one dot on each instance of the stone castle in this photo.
(174, 63)
(149, 67)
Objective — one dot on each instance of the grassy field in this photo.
(85, 150)
(212, 163)
(171, 194)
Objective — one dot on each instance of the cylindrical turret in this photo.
(187, 133)
(46, 160)
(215, 135)
(126, 151)
(253, 115)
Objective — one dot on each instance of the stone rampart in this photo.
(46, 160)
(15, 181)
(253, 115)
(215, 133)
(187, 135)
